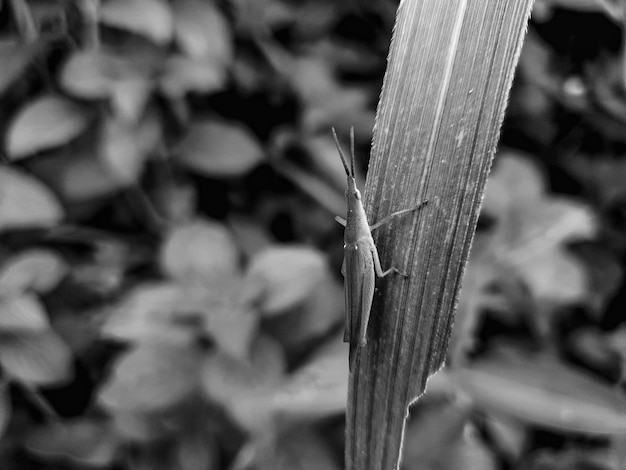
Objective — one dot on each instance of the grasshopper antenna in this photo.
(344, 160)
(352, 150)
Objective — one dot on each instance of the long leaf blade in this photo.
(450, 69)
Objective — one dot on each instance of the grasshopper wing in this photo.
(359, 280)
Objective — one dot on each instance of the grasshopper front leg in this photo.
(341, 221)
(382, 222)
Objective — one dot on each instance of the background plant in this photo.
(170, 294)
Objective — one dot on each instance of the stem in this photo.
(24, 21)
(41, 403)
(89, 10)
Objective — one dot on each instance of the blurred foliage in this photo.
(170, 295)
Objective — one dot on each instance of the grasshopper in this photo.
(361, 261)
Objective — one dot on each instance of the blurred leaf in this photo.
(15, 58)
(79, 175)
(79, 330)
(328, 102)
(227, 379)
(471, 454)
(573, 458)
(282, 277)
(150, 18)
(244, 387)
(122, 78)
(37, 270)
(322, 311)
(317, 389)
(313, 79)
(508, 435)
(261, 15)
(154, 457)
(604, 271)
(434, 431)
(159, 311)
(49, 121)
(140, 427)
(175, 201)
(514, 179)
(202, 32)
(616, 341)
(84, 442)
(298, 448)
(603, 83)
(152, 376)
(125, 147)
(230, 322)
(182, 75)
(324, 154)
(22, 314)
(349, 107)
(199, 252)
(36, 358)
(532, 229)
(544, 392)
(25, 202)
(5, 406)
(251, 237)
(603, 176)
(497, 286)
(176, 312)
(592, 347)
(51, 19)
(129, 99)
(221, 150)
(195, 452)
(439, 437)
(576, 5)
(24, 20)
(318, 175)
(617, 452)
(96, 74)
(538, 87)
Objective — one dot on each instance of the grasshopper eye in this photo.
(357, 194)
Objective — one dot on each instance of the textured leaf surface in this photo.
(449, 73)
